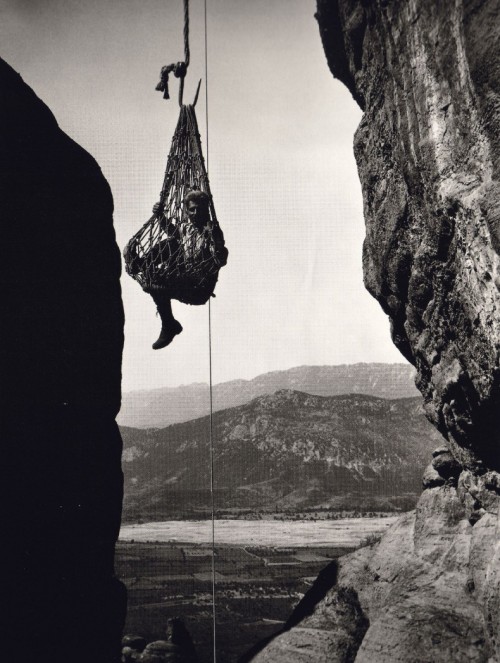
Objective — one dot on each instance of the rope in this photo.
(179, 69)
(212, 493)
(212, 476)
(186, 33)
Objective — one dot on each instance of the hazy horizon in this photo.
(279, 370)
(281, 169)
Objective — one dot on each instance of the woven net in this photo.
(169, 253)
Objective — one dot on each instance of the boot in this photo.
(167, 333)
(169, 325)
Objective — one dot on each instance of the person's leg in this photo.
(170, 327)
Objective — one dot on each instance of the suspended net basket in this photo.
(170, 253)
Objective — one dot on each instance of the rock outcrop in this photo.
(427, 76)
(428, 592)
(61, 338)
(177, 647)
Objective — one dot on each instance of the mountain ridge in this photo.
(289, 450)
(163, 406)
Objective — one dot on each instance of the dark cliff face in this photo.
(62, 328)
(61, 337)
(427, 76)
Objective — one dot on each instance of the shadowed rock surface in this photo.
(427, 76)
(60, 368)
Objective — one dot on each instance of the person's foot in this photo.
(167, 335)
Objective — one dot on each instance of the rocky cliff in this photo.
(427, 76)
(61, 337)
(427, 593)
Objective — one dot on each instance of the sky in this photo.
(280, 162)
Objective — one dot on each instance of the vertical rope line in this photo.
(212, 482)
(186, 33)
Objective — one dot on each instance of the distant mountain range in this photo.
(157, 408)
(288, 451)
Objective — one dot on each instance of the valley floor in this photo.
(345, 532)
(261, 571)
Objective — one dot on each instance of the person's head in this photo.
(197, 204)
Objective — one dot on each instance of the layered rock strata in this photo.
(61, 338)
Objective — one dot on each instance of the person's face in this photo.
(197, 212)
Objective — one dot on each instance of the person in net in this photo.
(198, 240)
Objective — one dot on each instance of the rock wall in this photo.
(428, 592)
(427, 76)
(61, 337)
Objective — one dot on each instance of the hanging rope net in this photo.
(179, 252)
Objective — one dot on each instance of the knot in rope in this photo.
(179, 69)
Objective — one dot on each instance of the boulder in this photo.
(134, 642)
(162, 651)
(446, 466)
(431, 477)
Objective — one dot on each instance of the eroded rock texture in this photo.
(427, 75)
(61, 336)
(429, 592)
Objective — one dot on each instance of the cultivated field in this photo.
(348, 532)
(262, 569)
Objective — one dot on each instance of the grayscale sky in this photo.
(281, 169)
